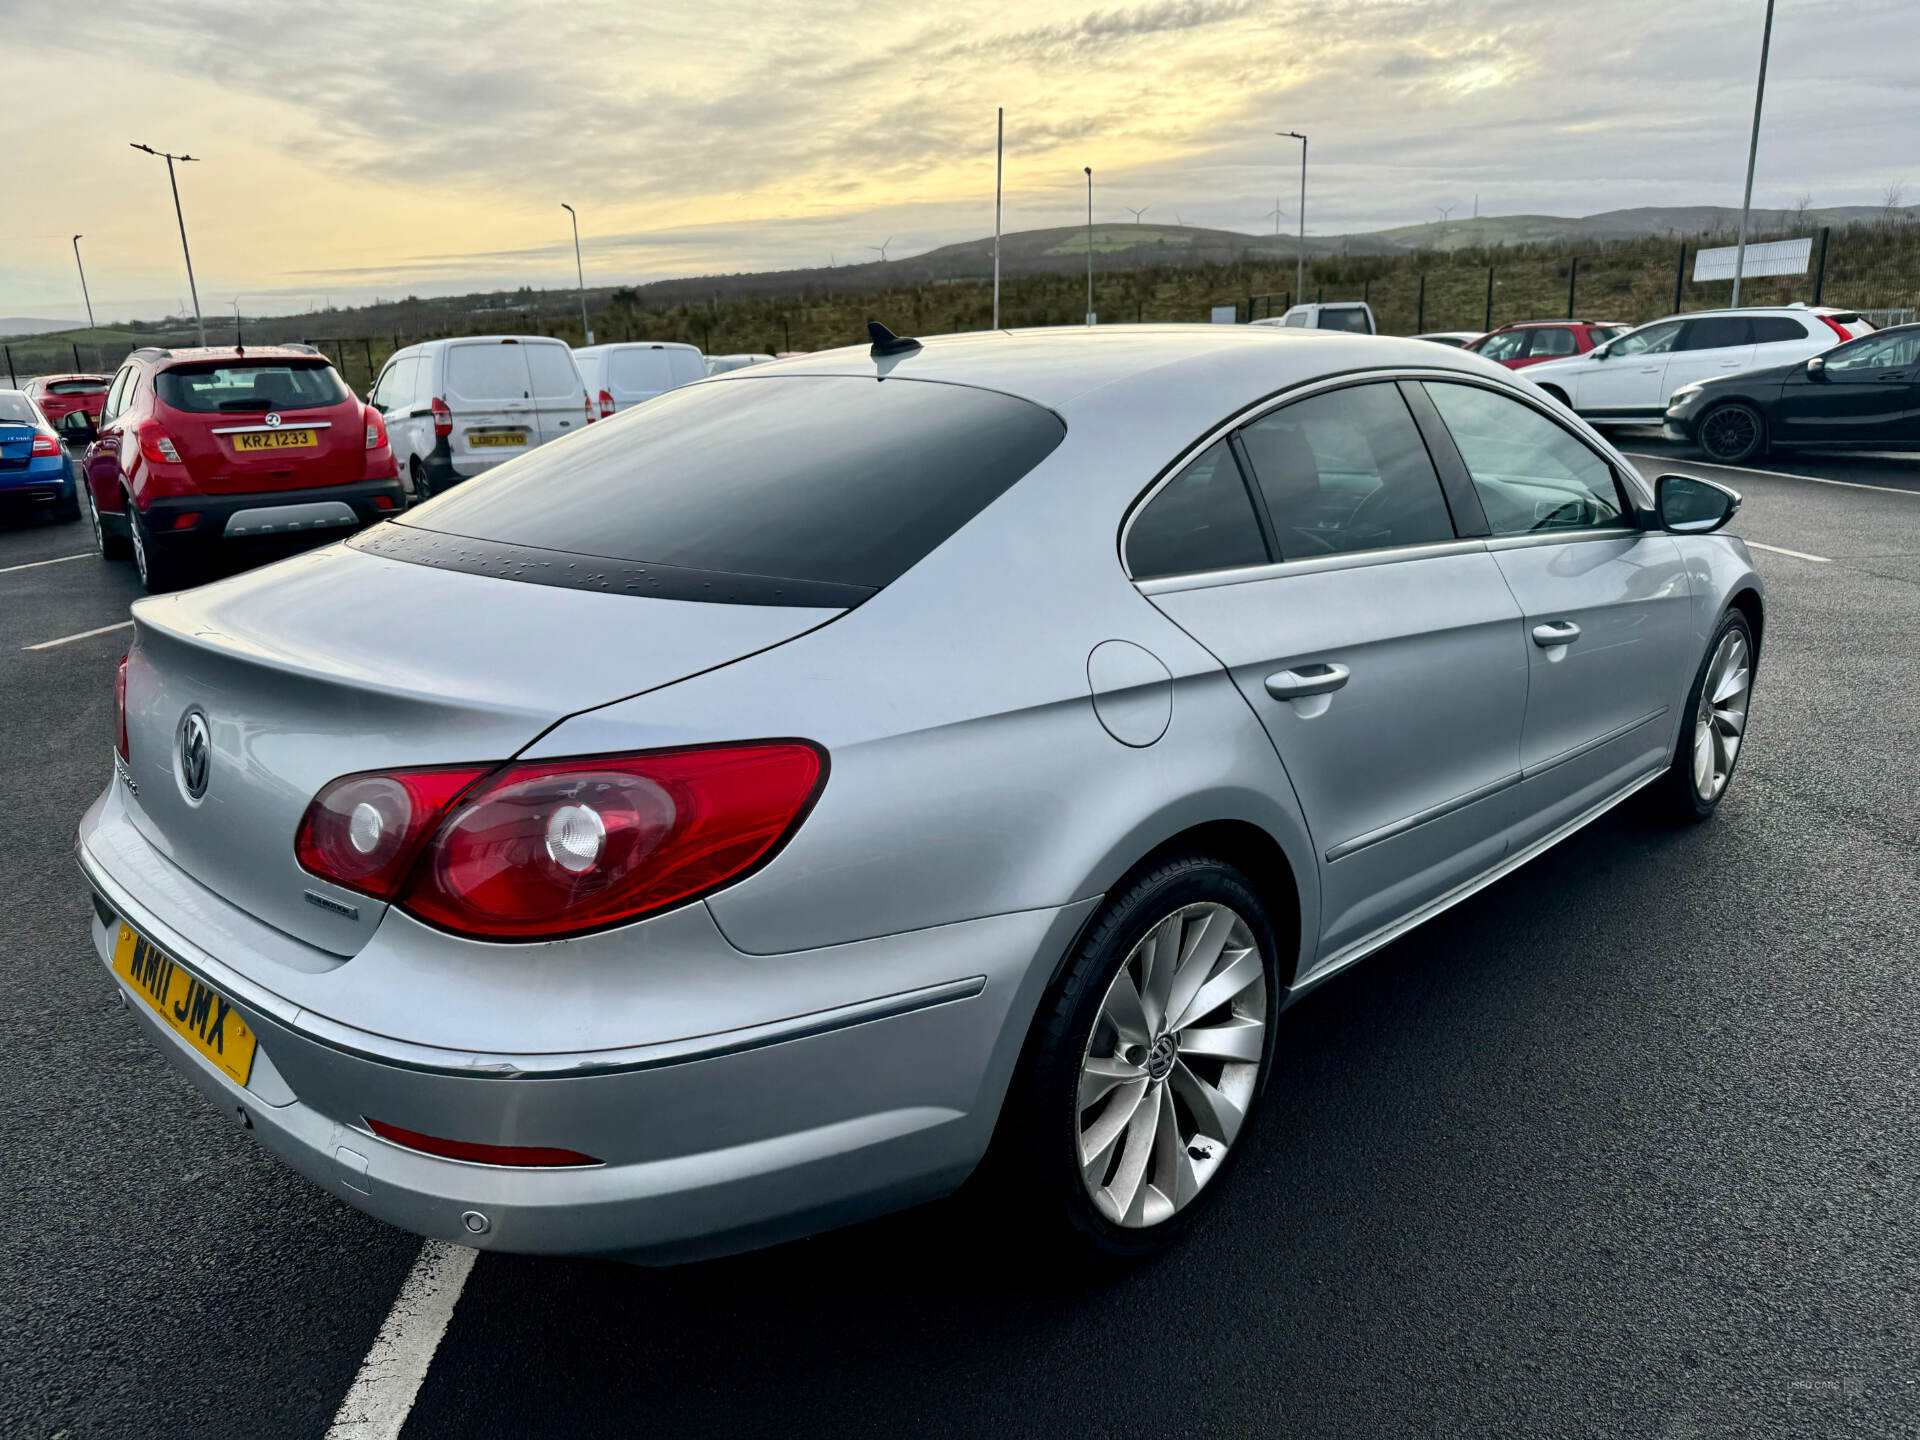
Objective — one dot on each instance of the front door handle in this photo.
(1555, 632)
(1307, 680)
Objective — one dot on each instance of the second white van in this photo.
(624, 374)
(457, 408)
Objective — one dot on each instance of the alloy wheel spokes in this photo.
(1722, 720)
(1172, 1064)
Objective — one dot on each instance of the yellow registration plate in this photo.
(198, 1013)
(497, 437)
(276, 439)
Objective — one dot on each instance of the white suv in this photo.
(1628, 379)
(456, 408)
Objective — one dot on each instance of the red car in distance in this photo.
(58, 396)
(1531, 341)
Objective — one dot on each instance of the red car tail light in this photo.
(156, 445)
(45, 444)
(362, 832)
(120, 709)
(376, 428)
(442, 420)
(383, 502)
(1837, 328)
(186, 520)
(539, 1155)
(606, 404)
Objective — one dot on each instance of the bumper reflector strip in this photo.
(538, 1156)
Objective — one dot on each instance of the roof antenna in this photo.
(885, 342)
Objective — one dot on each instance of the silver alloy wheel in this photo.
(93, 520)
(1171, 1065)
(139, 545)
(1722, 720)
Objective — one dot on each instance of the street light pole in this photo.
(999, 153)
(1753, 151)
(579, 273)
(192, 289)
(1300, 264)
(1089, 170)
(83, 280)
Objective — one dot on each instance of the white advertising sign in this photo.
(1775, 257)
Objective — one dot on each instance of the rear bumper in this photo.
(274, 512)
(719, 1141)
(44, 479)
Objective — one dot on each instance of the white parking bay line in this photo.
(1796, 554)
(382, 1394)
(83, 635)
(36, 564)
(1772, 474)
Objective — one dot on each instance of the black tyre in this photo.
(106, 545)
(1713, 728)
(422, 491)
(1732, 432)
(159, 570)
(1147, 1063)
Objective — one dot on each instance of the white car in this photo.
(1353, 316)
(1628, 379)
(457, 408)
(721, 364)
(620, 376)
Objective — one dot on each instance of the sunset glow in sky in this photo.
(365, 148)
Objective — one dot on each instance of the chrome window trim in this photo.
(1312, 565)
(273, 429)
(1568, 536)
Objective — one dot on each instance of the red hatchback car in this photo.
(203, 449)
(59, 396)
(1531, 341)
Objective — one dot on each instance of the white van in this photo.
(456, 408)
(622, 375)
(721, 364)
(1353, 316)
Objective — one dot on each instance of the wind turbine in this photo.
(1445, 211)
(1136, 213)
(882, 248)
(1276, 212)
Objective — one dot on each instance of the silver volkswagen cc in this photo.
(726, 823)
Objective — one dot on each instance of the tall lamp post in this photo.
(83, 280)
(1753, 151)
(579, 273)
(192, 289)
(1089, 170)
(999, 155)
(1300, 264)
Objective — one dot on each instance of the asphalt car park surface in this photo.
(1623, 1145)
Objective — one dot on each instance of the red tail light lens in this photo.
(442, 419)
(362, 832)
(606, 404)
(120, 710)
(46, 445)
(156, 445)
(1835, 326)
(556, 847)
(186, 520)
(476, 1153)
(376, 428)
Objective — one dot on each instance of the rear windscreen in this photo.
(839, 480)
(1354, 320)
(16, 409)
(77, 387)
(218, 386)
(641, 369)
(486, 372)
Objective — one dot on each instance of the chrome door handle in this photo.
(1556, 632)
(1307, 680)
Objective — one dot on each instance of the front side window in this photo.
(223, 387)
(1648, 340)
(1296, 318)
(1507, 345)
(1897, 350)
(1350, 318)
(1346, 470)
(1202, 520)
(1530, 474)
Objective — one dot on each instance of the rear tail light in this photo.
(45, 444)
(548, 848)
(592, 413)
(531, 1155)
(606, 404)
(383, 502)
(442, 420)
(156, 445)
(186, 520)
(376, 428)
(1837, 328)
(120, 709)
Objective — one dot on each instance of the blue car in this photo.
(33, 467)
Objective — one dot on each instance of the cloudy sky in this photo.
(356, 148)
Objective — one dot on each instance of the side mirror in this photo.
(1687, 505)
(1817, 368)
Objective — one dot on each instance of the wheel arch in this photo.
(1747, 601)
(1555, 392)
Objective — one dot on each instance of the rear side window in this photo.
(641, 370)
(1717, 332)
(223, 387)
(1202, 520)
(839, 480)
(1347, 470)
(116, 396)
(1553, 342)
(486, 373)
(1345, 317)
(77, 387)
(1774, 329)
(554, 375)
(1530, 474)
